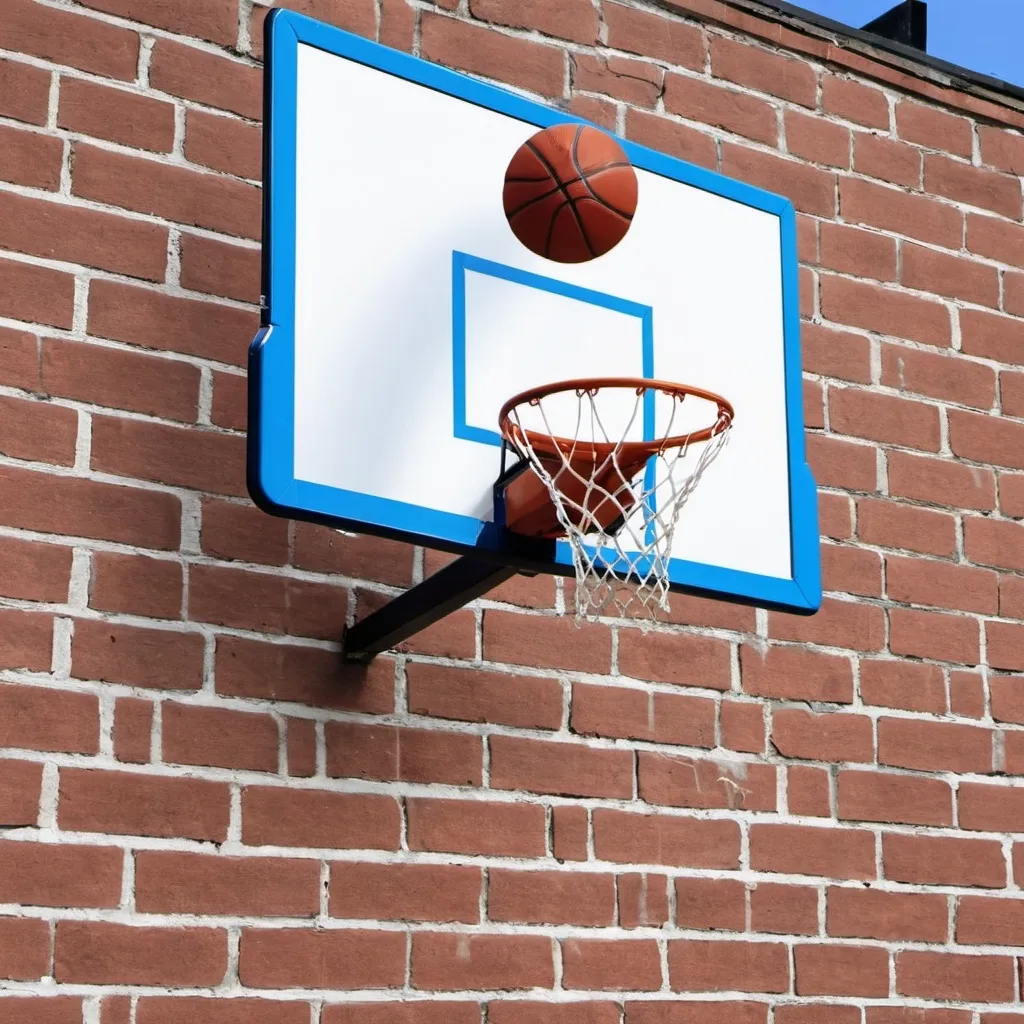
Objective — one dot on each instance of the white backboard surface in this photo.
(402, 312)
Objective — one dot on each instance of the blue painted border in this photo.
(271, 473)
(463, 262)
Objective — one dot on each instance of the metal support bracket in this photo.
(453, 586)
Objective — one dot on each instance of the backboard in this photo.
(401, 312)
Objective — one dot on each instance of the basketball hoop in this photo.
(614, 499)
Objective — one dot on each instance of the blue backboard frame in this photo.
(271, 477)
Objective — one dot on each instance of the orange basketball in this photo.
(570, 193)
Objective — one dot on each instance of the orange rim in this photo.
(598, 451)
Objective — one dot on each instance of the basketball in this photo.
(570, 193)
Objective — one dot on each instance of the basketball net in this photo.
(622, 567)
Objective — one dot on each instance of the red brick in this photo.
(686, 782)
(335, 959)
(839, 624)
(569, 769)
(575, 20)
(229, 408)
(598, 111)
(811, 189)
(475, 827)
(654, 36)
(116, 115)
(693, 1012)
(115, 1010)
(168, 882)
(442, 961)
(215, 20)
(721, 107)
(64, 37)
(784, 909)
(201, 459)
(20, 790)
(474, 696)
(220, 268)
(639, 714)
(570, 827)
(302, 741)
(1001, 149)
(88, 508)
(633, 81)
(224, 143)
(796, 674)
(851, 570)
(1007, 699)
(844, 970)
(755, 68)
(836, 353)
(1011, 495)
(611, 965)
(928, 126)
(845, 464)
(886, 796)
(551, 897)
(135, 584)
(142, 316)
(710, 904)
(24, 952)
(19, 360)
(934, 746)
(36, 294)
(742, 726)
(817, 1013)
(989, 808)
(546, 641)
(43, 1010)
(992, 337)
(37, 431)
(124, 803)
(93, 952)
(73, 234)
(244, 532)
(943, 860)
(175, 193)
(854, 101)
(923, 634)
(1003, 645)
(707, 966)
(884, 418)
(808, 791)
(35, 717)
(216, 1010)
(49, 875)
(799, 850)
(1011, 394)
(1013, 750)
(683, 659)
(219, 737)
(967, 694)
(26, 641)
(861, 253)
(830, 737)
(835, 516)
(949, 976)
(927, 270)
(880, 157)
(133, 729)
(209, 78)
(521, 62)
(303, 675)
(975, 186)
(670, 137)
(986, 439)
(997, 239)
(24, 92)
(659, 839)
(891, 525)
(34, 571)
(406, 892)
(337, 821)
(994, 542)
(922, 581)
(951, 378)
(914, 216)
(513, 1012)
(102, 375)
(890, 312)
(274, 604)
(368, 558)
(395, 754)
(642, 899)
(820, 142)
(358, 17)
(940, 481)
(136, 656)
(983, 921)
(902, 684)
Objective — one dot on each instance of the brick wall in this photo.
(740, 817)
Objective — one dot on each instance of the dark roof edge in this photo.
(905, 58)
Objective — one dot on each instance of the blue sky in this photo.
(983, 35)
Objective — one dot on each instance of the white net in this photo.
(619, 510)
